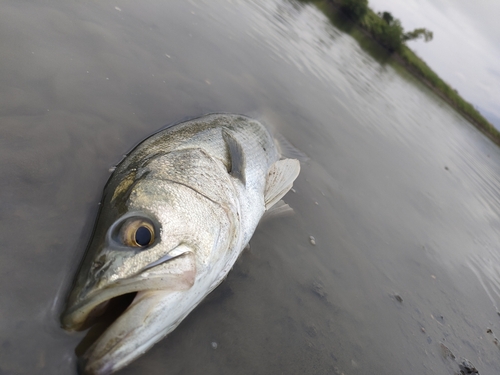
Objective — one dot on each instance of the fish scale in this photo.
(196, 169)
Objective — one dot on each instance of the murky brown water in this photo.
(400, 193)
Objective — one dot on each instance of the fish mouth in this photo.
(85, 313)
(120, 329)
(89, 304)
(101, 318)
(122, 316)
(116, 333)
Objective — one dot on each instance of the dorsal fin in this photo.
(280, 177)
(236, 155)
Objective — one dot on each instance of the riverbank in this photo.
(370, 24)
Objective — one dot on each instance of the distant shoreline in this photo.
(419, 69)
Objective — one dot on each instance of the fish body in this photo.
(175, 215)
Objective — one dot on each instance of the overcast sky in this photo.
(465, 51)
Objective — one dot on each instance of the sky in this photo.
(465, 50)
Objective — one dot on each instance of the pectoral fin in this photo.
(280, 177)
(279, 210)
(287, 150)
(236, 155)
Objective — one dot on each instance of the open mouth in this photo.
(86, 305)
(122, 317)
(101, 318)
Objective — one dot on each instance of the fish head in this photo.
(145, 239)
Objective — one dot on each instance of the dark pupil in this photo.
(143, 236)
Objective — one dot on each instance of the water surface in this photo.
(400, 193)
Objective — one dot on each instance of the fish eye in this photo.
(137, 233)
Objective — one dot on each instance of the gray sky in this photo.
(465, 51)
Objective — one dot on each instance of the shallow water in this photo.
(400, 193)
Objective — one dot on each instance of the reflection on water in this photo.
(400, 193)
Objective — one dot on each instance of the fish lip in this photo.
(76, 315)
(82, 365)
(100, 358)
(86, 362)
(104, 360)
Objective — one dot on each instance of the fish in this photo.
(175, 215)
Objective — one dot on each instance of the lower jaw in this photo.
(111, 310)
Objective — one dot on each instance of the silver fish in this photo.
(175, 215)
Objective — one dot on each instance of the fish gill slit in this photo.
(224, 207)
(193, 189)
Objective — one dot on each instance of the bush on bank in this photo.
(355, 9)
(387, 31)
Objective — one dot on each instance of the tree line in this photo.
(389, 32)
(386, 29)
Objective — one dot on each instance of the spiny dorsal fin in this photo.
(280, 177)
(236, 155)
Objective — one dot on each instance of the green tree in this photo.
(427, 35)
(392, 36)
(355, 9)
(387, 17)
(390, 33)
